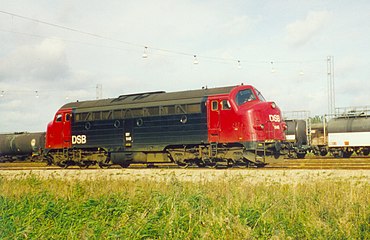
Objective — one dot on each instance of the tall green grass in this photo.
(33, 208)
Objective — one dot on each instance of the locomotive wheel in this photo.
(239, 164)
(211, 165)
(183, 165)
(260, 165)
(63, 165)
(103, 165)
(222, 165)
(123, 165)
(200, 164)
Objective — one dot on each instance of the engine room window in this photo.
(244, 96)
(225, 105)
(214, 105)
(139, 122)
(97, 115)
(68, 117)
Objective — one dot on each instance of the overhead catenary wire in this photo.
(69, 28)
(6, 93)
(146, 47)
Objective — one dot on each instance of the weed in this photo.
(226, 208)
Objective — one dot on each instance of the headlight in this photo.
(273, 105)
(259, 127)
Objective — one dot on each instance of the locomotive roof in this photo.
(151, 98)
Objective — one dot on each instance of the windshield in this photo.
(260, 97)
(244, 96)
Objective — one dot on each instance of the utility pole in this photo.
(330, 83)
(99, 91)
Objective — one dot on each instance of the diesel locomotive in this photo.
(212, 127)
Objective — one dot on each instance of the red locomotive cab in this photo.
(58, 134)
(264, 120)
(243, 116)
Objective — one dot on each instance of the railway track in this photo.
(323, 163)
(312, 163)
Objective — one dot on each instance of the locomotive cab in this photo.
(244, 116)
(58, 134)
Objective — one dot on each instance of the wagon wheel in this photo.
(347, 154)
(366, 151)
(323, 152)
(301, 155)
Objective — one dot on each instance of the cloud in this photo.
(45, 61)
(255, 33)
(238, 25)
(301, 32)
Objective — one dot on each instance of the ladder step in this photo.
(260, 148)
(213, 149)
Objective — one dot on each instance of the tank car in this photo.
(348, 134)
(296, 136)
(319, 139)
(341, 135)
(207, 127)
(21, 146)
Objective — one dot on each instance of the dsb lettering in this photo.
(79, 139)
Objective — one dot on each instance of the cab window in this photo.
(68, 117)
(58, 118)
(214, 105)
(244, 96)
(225, 105)
(260, 97)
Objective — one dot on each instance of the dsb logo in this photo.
(79, 139)
(274, 118)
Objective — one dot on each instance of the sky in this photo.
(55, 52)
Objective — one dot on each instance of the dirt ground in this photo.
(248, 176)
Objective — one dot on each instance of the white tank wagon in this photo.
(348, 134)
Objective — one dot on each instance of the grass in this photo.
(34, 208)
